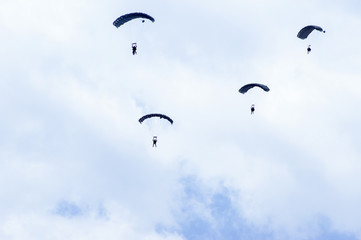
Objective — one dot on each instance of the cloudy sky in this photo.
(76, 164)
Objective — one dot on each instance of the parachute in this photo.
(155, 115)
(304, 32)
(247, 87)
(130, 16)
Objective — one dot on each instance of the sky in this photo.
(76, 164)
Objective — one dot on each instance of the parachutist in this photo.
(155, 141)
(161, 116)
(309, 49)
(134, 48)
(252, 108)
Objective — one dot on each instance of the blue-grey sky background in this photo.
(76, 164)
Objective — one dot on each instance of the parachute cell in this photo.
(247, 87)
(155, 115)
(130, 16)
(304, 32)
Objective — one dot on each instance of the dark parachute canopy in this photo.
(304, 32)
(155, 115)
(130, 16)
(247, 87)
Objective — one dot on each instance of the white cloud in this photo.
(71, 94)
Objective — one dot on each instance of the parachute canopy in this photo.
(130, 16)
(155, 115)
(304, 32)
(247, 87)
